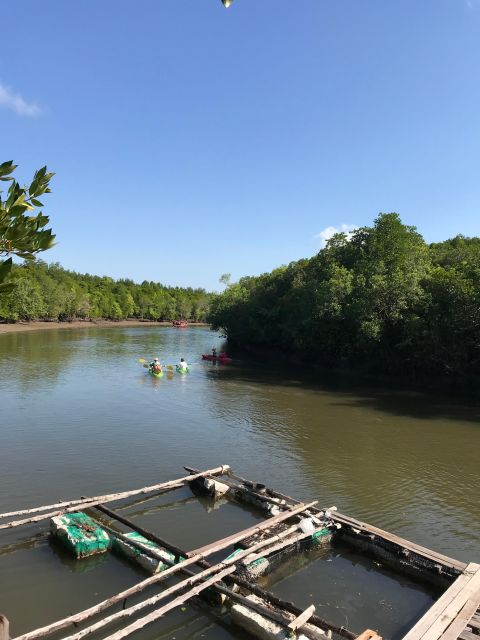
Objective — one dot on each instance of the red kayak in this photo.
(222, 357)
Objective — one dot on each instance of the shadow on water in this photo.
(352, 390)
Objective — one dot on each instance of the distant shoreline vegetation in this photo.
(379, 300)
(50, 292)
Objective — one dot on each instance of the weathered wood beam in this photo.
(85, 503)
(268, 596)
(154, 615)
(256, 528)
(130, 611)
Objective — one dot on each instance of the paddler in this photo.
(214, 352)
(155, 366)
(183, 366)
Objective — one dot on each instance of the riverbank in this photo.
(41, 325)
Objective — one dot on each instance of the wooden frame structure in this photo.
(456, 614)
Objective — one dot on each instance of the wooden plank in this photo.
(139, 624)
(86, 503)
(463, 618)
(300, 620)
(426, 621)
(4, 628)
(133, 610)
(466, 635)
(368, 634)
(256, 528)
(88, 613)
(402, 542)
(151, 617)
(445, 619)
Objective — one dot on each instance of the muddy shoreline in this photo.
(41, 325)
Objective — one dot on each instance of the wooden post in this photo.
(4, 627)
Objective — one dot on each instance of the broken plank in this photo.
(4, 628)
(368, 634)
(300, 620)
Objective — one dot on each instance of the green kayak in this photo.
(155, 374)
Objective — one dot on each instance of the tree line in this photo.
(380, 300)
(43, 291)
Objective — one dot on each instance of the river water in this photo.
(79, 416)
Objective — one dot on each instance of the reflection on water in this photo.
(80, 416)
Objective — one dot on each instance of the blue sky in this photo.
(190, 140)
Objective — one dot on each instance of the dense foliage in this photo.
(380, 299)
(50, 292)
(22, 231)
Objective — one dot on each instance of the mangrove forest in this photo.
(378, 300)
(50, 292)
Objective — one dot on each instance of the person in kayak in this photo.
(214, 352)
(183, 366)
(155, 366)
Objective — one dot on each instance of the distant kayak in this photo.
(222, 357)
(182, 371)
(180, 324)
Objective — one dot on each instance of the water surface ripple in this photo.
(79, 416)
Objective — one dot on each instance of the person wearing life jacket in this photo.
(155, 366)
(183, 366)
(214, 352)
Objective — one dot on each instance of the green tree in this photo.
(22, 233)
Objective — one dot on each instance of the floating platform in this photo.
(81, 535)
(289, 527)
(152, 565)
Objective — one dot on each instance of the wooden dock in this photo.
(455, 614)
(231, 581)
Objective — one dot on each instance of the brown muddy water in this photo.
(79, 416)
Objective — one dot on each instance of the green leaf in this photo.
(37, 203)
(7, 168)
(7, 287)
(5, 268)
